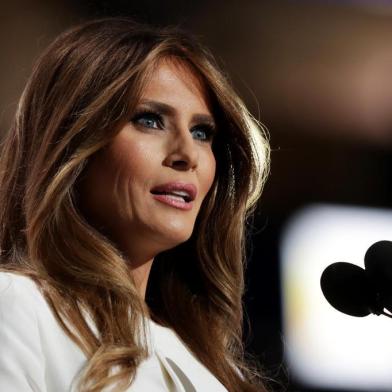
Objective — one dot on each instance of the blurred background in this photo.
(317, 74)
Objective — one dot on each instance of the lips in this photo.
(187, 191)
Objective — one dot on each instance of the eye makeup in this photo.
(150, 118)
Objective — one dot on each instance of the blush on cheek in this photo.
(211, 170)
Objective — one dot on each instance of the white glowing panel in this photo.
(323, 347)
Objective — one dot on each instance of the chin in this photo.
(177, 237)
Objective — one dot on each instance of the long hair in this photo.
(82, 91)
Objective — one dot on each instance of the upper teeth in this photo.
(180, 193)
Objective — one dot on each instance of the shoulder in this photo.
(23, 304)
(21, 352)
(36, 354)
(19, 297)
(12, 283)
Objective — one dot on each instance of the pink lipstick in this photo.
(176, 194)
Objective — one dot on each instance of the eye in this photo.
(203, 132)
(148, 119)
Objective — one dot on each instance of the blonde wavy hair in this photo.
(82, 91)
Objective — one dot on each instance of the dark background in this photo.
(316, 73)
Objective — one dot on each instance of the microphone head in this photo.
(378, 266)
(346, 288)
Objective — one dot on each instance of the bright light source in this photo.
(323, 347)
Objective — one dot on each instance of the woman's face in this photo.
(168, 143)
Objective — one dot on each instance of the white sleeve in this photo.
(22, 366)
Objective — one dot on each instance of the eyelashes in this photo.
(151, 119)
(147, 118)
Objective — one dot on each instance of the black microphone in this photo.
(357, 291)
(378, 266)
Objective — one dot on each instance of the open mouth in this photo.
(177, 195)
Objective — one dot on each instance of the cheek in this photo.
(209, 171)
(135, 159)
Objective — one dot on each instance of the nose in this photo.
(183, 152)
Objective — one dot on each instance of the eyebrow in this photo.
(169, 110)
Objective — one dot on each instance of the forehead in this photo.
(176, 83)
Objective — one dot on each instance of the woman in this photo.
(129, 149)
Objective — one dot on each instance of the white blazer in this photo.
(36, 355)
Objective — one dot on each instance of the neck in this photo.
(140, 274)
